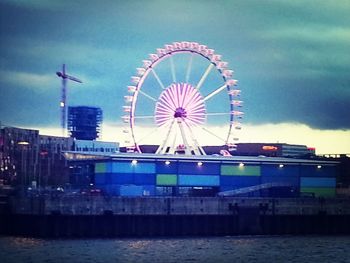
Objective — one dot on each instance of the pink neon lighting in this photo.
(190, 111)
(180, 100)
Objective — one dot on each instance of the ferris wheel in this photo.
(183, 97)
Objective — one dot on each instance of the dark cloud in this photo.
(291, 57)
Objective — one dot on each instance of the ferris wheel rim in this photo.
(170, 51)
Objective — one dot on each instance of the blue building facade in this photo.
(155, 175)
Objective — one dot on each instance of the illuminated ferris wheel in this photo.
(183, 97)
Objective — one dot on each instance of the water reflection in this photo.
(143, 244)
(25, 242)
(211, 249)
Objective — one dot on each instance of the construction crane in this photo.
(63, 105)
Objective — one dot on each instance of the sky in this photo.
(291, 57)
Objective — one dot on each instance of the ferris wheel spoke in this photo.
(172, 66)
(199, 113)
(214, 92)
(185, 97)
(193, 100)
(171, 98)
(147, 135)
(168, 102)
(194, 105)
(188, 98)
(205, 75)
(189, 68)
(217, 113)
(144, 117)
(229, 134)
(166, 105)
(213, 134)
(157, 78)
(147, 96)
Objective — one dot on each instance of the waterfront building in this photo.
(29, 159)
(182, 175)
(82, 174)
(95, 146)
(274, 150)
(52, 167)
(252, 149)
(19, 150)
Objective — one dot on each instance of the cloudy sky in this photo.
(292, 60)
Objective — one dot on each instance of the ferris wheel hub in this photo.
(180, 113)
(180, 100)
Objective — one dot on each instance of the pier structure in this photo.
(97, 216)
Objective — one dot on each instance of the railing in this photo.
(249, 189)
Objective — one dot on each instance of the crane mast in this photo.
(63, 103)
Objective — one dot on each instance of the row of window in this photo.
(87, 149)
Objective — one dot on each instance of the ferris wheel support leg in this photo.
(229, 134)
(162, 148)
(196, 146)
(201, 150)
(187, 146)
(172, 148)
(198, 150)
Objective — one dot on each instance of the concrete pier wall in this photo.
(99, 205)
(96, 216)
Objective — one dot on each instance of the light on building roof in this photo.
(23, 143)
(134, 162)
(199, 163)
(167, 162)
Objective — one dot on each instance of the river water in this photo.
(208, 249)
